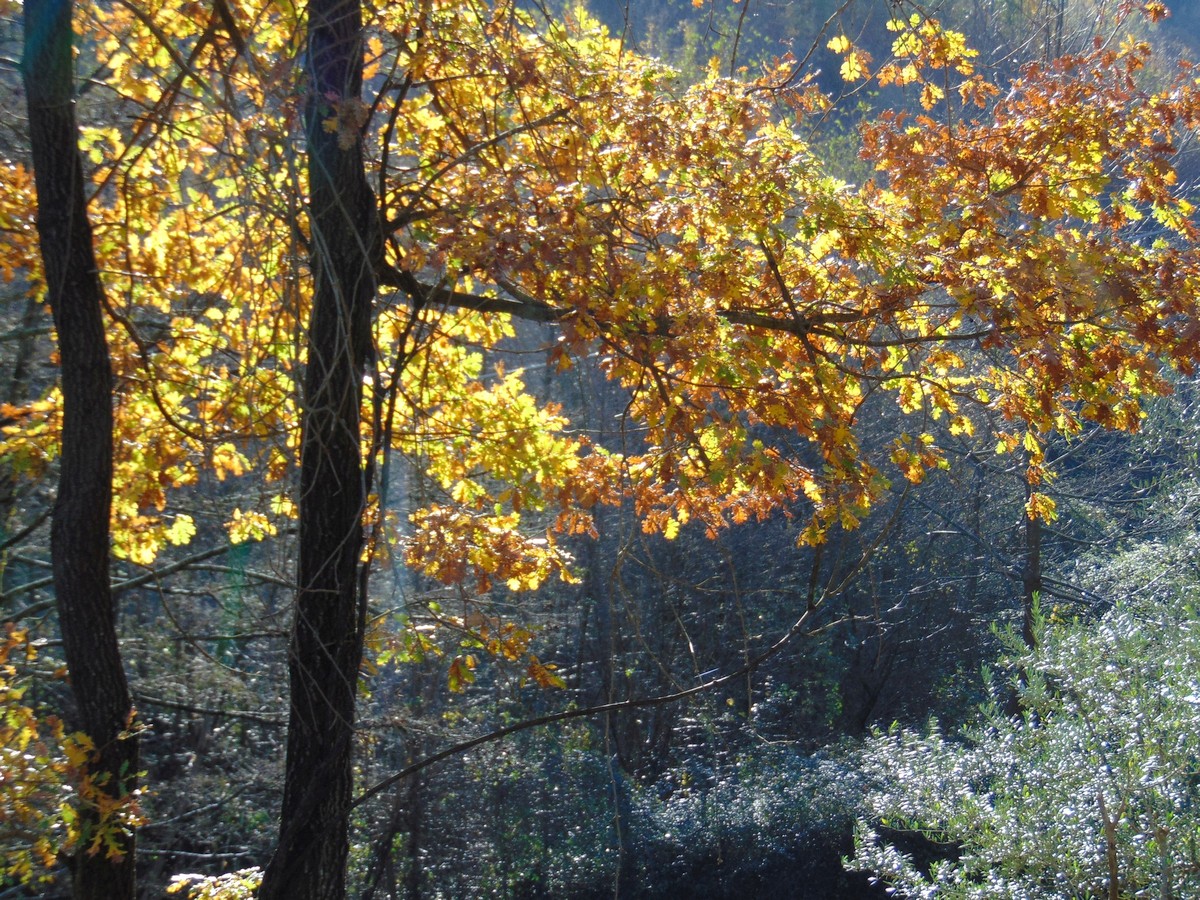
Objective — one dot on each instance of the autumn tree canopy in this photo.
(1022, 255)
(370, 199)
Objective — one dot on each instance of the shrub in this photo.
(1096, 783)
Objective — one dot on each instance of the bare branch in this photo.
(589, 711)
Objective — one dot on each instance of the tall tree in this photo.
(326, 643)
(79, 541)
(739, 292)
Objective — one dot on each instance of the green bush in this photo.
(1096, 781)
(772, 822)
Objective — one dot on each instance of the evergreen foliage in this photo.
(1093, 790)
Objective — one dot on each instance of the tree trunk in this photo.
(1031, 589)
(79, 536)
(1031, 577)
(326, 642)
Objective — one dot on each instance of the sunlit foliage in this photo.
(1094, 784)
(999, 266)
(44, 780)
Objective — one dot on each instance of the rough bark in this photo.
(79, 537)
(1031, 589)
(1031, 580)
(326, 642)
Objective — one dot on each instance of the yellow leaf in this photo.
(1041, 507)
(853, 68)
(182, 530)
(248, 526)
(226, 459)
(282, 505)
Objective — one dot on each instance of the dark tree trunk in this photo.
(1031, 578)
(326, 640)
(1031, 589)
(79, 536)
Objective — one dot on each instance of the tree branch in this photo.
(601, 709)
(244, 715)
(521, 306)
